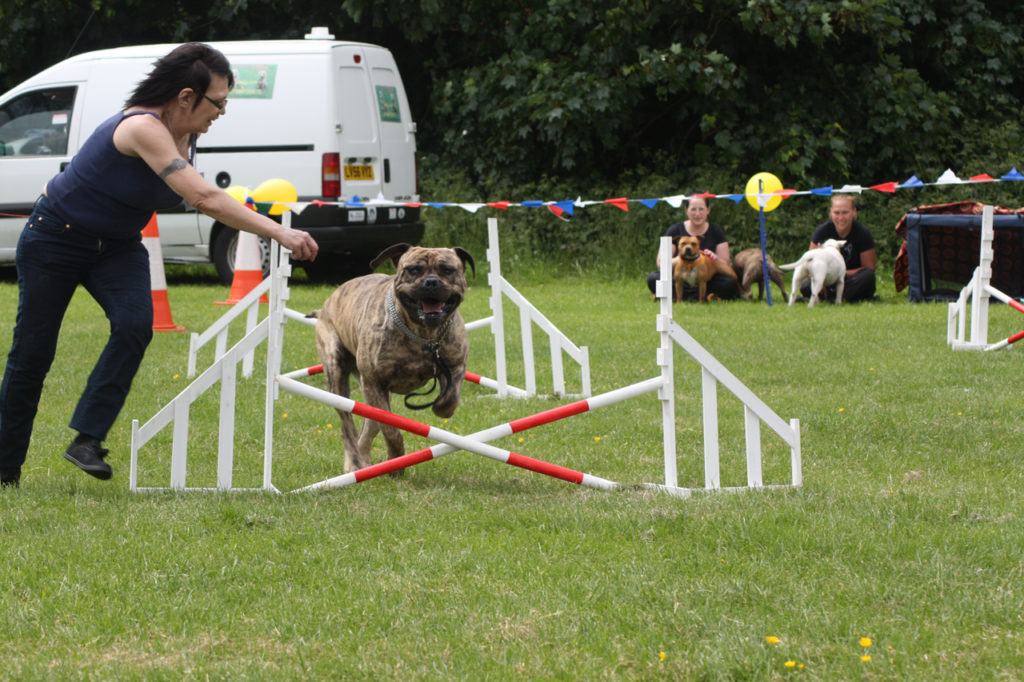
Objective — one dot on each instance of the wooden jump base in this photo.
(977, 293)
(224, 371)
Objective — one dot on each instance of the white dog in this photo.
(824, 266)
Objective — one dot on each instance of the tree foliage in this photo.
(514, 94)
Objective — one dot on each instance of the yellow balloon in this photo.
(275, 190)
(764, 183)
(238, 193)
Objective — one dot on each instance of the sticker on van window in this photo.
(253, 81)
(387, 101)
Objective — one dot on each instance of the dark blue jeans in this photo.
(53, 259)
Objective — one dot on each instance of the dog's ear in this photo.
(465, 258)
(392, 253)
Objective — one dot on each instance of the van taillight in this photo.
(330, 176)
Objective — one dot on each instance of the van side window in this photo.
(36, 123)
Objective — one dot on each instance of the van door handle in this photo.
(387, 170)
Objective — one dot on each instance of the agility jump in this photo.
(224, 371)
(977, 292)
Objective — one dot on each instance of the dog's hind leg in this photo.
(840, 285)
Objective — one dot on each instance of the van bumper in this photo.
(363, 238)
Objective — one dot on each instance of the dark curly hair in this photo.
(187, 66)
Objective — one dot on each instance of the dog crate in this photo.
(941, 249)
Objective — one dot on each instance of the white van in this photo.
(330, 117)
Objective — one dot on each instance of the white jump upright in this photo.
(977, 293)
(528, 316)
(224, 371)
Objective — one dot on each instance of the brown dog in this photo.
(749, 267)
(396, 333)
(695, 268)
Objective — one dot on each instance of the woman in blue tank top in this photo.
(86, 229)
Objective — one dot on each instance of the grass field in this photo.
(899, 558)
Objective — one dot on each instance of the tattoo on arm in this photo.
(175, 165)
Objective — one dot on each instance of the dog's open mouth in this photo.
(431, 309)
(431, 312)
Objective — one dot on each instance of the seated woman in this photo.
(712, 238)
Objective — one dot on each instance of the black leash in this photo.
(431, 346)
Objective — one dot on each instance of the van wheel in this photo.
(224, 248)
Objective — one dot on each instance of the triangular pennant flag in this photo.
(785, 193)
(532, 204)
(472, 208)
(567, 206)
(557, 211)
(675, 201)
(503, 205)
(948, 178)
(706, 195)
(889, 187)
(912, 181)
(1014, 174)
(850, 189)
(354, 201)
(413, 205)
(984, 177)
(619, 203)
(437, 204)
(649, 203)
(735, 198)
(822, 191)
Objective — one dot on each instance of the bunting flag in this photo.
(565, 209)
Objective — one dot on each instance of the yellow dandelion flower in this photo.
(865, 642)
(661, 656)
(284, 416)
(842, 409)
(790, 664)
(801, 666)
(330, 426)
(865, 658)
(597, 439)
(772, 640)
(521, 439)
(176, 376)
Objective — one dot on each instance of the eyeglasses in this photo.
(220, 105)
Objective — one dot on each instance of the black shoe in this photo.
(86, 454)
(10, 481)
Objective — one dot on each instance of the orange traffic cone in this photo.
(162, 321)
(248, 269)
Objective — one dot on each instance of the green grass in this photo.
(907, 529)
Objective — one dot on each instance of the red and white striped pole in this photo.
(442, 436)
(1016, 305)
(470, 376)
(480, 437)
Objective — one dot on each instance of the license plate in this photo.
(359, 172)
